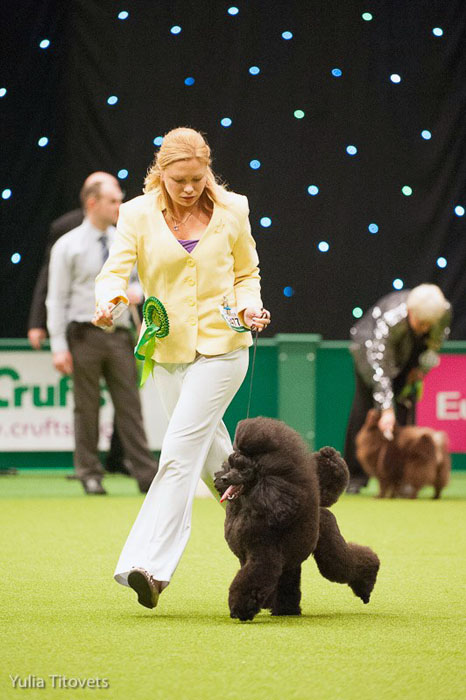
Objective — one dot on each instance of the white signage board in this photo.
(36, 407)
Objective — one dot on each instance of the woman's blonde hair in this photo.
(427, 303)
(183, 144)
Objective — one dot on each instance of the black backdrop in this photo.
(61, 92)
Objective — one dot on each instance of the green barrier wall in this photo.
(298, 378)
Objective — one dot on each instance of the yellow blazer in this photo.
(191, 286)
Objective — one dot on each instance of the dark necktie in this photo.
(104, 243)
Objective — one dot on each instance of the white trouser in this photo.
(195, 397)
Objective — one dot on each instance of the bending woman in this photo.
(192, 242)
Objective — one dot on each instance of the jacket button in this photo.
(190, 281)
(191, 301)
(191, 262)
(192, 320)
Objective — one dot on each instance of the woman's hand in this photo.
(387, 422)
(256, 319)
(103, 316)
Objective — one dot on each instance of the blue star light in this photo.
(398, 284)
(266, 221)
(323, 246)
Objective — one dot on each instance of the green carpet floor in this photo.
(63, 615)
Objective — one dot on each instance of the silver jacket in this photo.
(382, 344)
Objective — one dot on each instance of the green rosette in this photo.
(157, 326)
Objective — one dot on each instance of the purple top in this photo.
(188, 245)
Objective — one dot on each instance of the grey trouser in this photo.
(99, 354)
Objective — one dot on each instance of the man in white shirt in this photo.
(87, 352)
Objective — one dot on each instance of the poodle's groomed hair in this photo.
(278, 493)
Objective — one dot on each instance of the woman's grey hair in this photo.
(427, 303)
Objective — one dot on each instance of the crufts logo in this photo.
(16, 394)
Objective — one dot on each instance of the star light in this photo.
(287, 36)
(123, 14)
(407, 190)
(357, 312)
(233, 11)
(6, 194)
(395, 78)
(313, 190)
(176, 29)
(373, 228)
(323, 246)
(255, 164)
(337, 72)
(459, 210)
(266, 221)
(437, 31)
(298, 113)
(158, 141)
(367, 17)
(44, 44)
(15, 258)
(288, 291)
(398, 284)
(43, 141)
(189, 81)
(441, 262)
(351, 150)
(122, 174)
(226, 122)
(254, 70)
(426, 134)
(112, 100)
(3, 92)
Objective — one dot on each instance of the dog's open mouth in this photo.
(232, 492)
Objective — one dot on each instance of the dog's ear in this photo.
(277, 499)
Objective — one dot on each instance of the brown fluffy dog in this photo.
(416, 457)
(276, 517)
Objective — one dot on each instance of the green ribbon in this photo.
(157, 326)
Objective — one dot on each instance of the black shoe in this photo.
(144, 485)
(145, 585)
(92, 486)
(117, 468)
(355, 486)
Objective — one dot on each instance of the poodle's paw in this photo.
(244, 608)
(363, 586)
(286, 610)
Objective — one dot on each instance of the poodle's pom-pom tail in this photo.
(333, 475)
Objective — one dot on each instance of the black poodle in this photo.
(276, 516)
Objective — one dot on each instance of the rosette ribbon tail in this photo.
(147, 339)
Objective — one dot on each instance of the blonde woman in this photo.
(192, 243)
